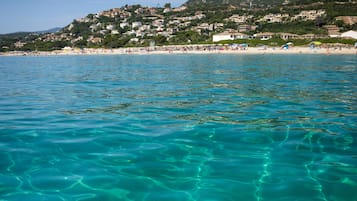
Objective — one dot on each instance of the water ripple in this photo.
(178, 127)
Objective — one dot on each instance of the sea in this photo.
(188, 127)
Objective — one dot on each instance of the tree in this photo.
(231, 25)
(81, 44)
(80, 28)
(160, 40)
(114, 41)
(320, 21)
(339, 23)
(167, 5)
(188, 37)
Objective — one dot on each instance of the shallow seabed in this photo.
(184, 127)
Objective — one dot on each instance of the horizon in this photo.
(26, 16)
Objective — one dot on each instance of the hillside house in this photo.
(19, 44)
(309, 15)
(274, 18)
(123, 25)
(239, 18)
(136, 24)
(246, 28)
(350, 20)
(110, 27)
(158, 22)
(114, 32)
(167, 10)
(179, 9)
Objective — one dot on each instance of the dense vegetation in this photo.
(277, 42)
(80, 34)
(44, 46)
(294, 27)
(7, 41)
(193, 3)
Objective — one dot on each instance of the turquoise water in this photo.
(184, 127)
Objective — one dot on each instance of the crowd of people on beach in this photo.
(206, 48)
(175, 49)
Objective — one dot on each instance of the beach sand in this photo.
(191, 49)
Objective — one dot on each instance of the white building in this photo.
(179, 9)
(145, 28)
(158, 22)
(110, 27)
(349, 34)
(264, 36)
(136, 24)
(115, 32)
(19, 44)
(123, 25)
(229, 36)
(167, 10)
(134, 40)
(309, 14)
(222, 36)
(239, 18)
(274, 18)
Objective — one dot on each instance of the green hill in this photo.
(241, 3)
(136, 25)
(254, 3)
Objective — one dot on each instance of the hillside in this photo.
(140, 26)
(241, 3)
(255, 3)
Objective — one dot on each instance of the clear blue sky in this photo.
(38, 15)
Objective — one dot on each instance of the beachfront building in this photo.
(349, 34)
(222, 36)
(264, 36)
(333, 31)
(288, 36)
(240, 36)
(307, 36)
(229, 36)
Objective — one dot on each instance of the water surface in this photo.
(179, 127)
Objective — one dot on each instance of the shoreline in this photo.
(189, 49)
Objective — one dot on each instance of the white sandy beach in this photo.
(191, 49)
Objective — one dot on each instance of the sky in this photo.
(40, 15)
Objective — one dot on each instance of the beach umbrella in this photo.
(316, 43)
(234, 45)
(286, 46)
